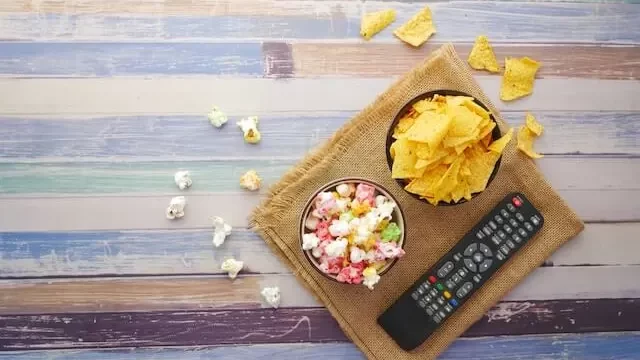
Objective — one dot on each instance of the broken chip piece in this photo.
(232, 267)
(250, 180)
(482, 56)
(220, 231)
(216, 117)
(519, 75)
(526, 134)
(271, 295)
(373, 23)
(249, 126)
(182, 179)
(533, 124)
(418, 29)
(176, 207)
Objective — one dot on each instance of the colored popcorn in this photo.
(250, 180)
(249, 127)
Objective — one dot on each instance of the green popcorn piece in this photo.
(391, 233)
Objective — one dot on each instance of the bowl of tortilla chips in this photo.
(444, 147)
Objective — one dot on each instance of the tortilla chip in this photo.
(403, 125)
(525, 142)
(430, 128)
(418, 29)
(424, 105)
(404, 161)
(499, 145)
(533, 124)
(424, 185)
(518, 78)
(373, 23)
(482, 56)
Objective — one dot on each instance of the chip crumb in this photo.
(176, 207)
(232, 267)
(182, 179)
(374, 22)
(220, 231)
(482, 56)
(249, 126)
(519, 76)
(250, 180)
(271, 295)
(418, 29)
(216, 117)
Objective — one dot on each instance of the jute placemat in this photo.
(358, 149)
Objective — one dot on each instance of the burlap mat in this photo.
(358, 149)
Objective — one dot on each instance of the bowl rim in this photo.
(333, 183)
(495, 134)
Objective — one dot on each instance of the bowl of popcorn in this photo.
(352, 231)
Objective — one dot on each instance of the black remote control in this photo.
(455, 277)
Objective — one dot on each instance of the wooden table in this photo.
(102, 101)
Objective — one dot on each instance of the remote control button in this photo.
(456, 257)
(486, 265)
(493, 225)
(461, 293)
(456, 278)
(433, 292)
(504, 213)
(535, 220)
(513, 222)
(507, 228)
(470, 249)
(511, 207)
(439, 287)
(495, 240)
(434, 306)
(448, 308)
(429, 311)
(415, 295)
(450, 284)
(420, 290)
(467, 286)
(480, 235)
(453, 302)
(428, 298)
(432, 279)
(470, 265)
(447, 295)
(498, 219)
(499, 256)
(462, 272)
(478, 257)
(477, 278)
(510, 244)
(486, 230)
(445, 269)
(437, 318)
(485, 250)
(528, 226)
(504, 249)
(422, 303)
(501, 234)
(516, 201)
(440, 300)
(516, 238)
(519, 216)
(522, 232)
(442, 314)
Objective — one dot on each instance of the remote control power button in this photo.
(432, 279)
(470, 249)
(470, 265)
(516, 201)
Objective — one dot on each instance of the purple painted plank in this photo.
(289, 325)
(278, 59)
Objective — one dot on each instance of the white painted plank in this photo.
(196, 95)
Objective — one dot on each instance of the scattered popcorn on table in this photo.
(220, 231)
(249, 126)
(216, 117)
(232, 267)
(176, 207)
(271, 295)
(352, 230)
(250, 180)
(183, 179)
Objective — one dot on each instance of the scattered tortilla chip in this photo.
(525, 142)
(533, 124)
(373, 23)
(418, 29)
(482, 56)
(518, 78)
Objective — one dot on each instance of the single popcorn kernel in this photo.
(232, 267)
(216, 117)
(250, 180)
(249, 126)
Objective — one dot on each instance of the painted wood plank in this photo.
(145, 178)
(46, 254)
(219, 292)
(196, 95)
(501, 21)
(594, 346)
(124, 59)
(373, 59)
(152, 138)
(288, 325)
(124, 212)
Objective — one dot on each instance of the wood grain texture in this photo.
(501, 21)
(219, 292)
(139, 138)
(196, 96)
(594, 346)
(288, 325)
(47, 254)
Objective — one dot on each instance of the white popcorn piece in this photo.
(312, 223)
(176, 207)
(183, 179)
(336, 248)
(271, 295)
(249, 126)
(357, 255)
(216, 117)
(339, 228)
(310, 241)
(385, 207)
(232, 267)
(371, 277)
(317, 252)
(220, 231)
(343, 190)
(250, 180)
(381, 199)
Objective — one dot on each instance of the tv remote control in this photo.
(438, 293)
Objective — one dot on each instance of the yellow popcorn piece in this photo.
(418, 29)
(249, 127)
(482, 56)
(250, 180)
(373, 23)
(519, 75)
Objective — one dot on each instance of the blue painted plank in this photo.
(596, 346)
(113, 59)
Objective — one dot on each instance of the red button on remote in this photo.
(516, 202)
(432, 279)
